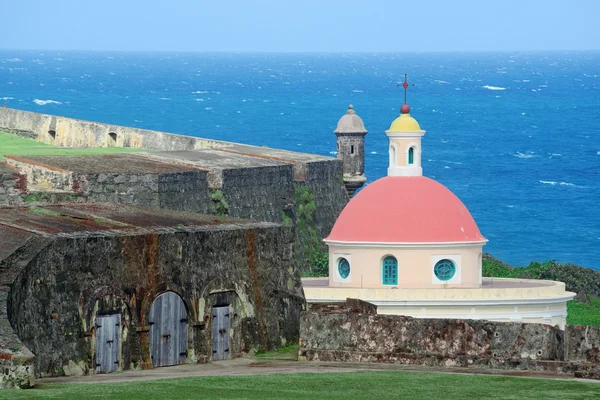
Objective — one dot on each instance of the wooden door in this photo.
(220, 333)
(108, 336)
(168, 330)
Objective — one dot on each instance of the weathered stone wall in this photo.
(70, 132)
(324, 180)
(55, 298)
(262, 193)
(392, 334)
(42, 177)
(179, 191)
(249, 191)
(12, 185)
(582, 343)
(351, 332)
(184, 191)
(16, 361)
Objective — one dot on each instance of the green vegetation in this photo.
(289, 352)
(584, 310)
(580, 313)
(21, 146)
(311, 249)
(219, 205)
(36, 197)
(43, 212)
(338, 385)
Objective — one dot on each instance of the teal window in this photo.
(444, 270)
(411, 155)
(390, 271)
(343, 268)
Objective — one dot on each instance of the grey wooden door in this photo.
(108, 336)
(168, 330)
(220, 333)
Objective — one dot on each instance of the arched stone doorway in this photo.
(168, 330)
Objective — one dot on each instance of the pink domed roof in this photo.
(398, 209)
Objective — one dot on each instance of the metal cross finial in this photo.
(405, 86)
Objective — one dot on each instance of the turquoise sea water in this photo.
(515, 135)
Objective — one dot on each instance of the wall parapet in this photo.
(364, 337)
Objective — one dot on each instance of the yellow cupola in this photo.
(405, 136)
(404, 123)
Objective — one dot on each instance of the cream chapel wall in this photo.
(415, 265)
(401, 147)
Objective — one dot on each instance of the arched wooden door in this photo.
(168, 330)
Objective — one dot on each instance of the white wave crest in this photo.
(523, 155)
(441, 82)
(557, 183)
(357, 91)
(333, 152)
(373, 152)
(493, 87)
(164, 98)
(44, 102)
(7, 98)
(200, 91)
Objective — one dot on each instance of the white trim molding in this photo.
(404, 245)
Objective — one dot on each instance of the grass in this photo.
(332, 385)
(288, 352)
(21, 146)
(579, 313)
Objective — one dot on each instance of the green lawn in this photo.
(20, 146)
(338, 385)
(584, 314)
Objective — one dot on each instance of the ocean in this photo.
(515, 135)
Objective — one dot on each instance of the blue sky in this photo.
(301, 25)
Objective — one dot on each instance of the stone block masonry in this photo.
(78, 262)
(13, 185)
(352, 332)
(126, 179)
(240, 180)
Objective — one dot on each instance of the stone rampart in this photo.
(243, 181)
(341, 334)
(71, 132)
(87, 260)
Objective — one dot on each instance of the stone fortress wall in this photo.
(354, 332)
(62, 267)
(181, 173)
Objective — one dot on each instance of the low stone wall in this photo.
(582, 343)
(70, 132)
(327, 334)
(12, 185)
(16, 361)
(42, 177)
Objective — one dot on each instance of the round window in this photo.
(444, 270)
(343, 268)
